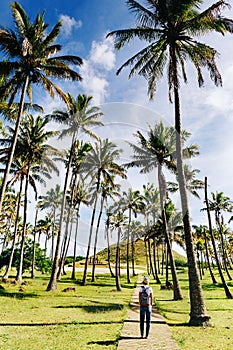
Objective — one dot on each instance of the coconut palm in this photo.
(192, 183)
(100, 165)
(52, 201)
(33, 156)
(109, 190)
(158, 151)
(118, 221)
(28, 58)
(218, 204)
(131, 201)
(80, 117)
(211, 231)
(170, 28)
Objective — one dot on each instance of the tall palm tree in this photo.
(101, 165)
(118, 221)
(79, 117)
(35, 156)
(108, 191)
(218, 204)
(132, 201)
(170, 27)
(28, 58)
(52, 201)
(158, 151)
(225, 286)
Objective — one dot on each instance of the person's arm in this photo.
(151, 298)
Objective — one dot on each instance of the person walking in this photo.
(145, 302)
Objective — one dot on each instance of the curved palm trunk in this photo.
(8, 269)
(96, 238)
(117, 264)
(177, 294)
(14, 141)
(53, 279)
(225, 286)
(198, 312)
(19, 277)
(75, 244)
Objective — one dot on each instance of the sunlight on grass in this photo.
(90, 317)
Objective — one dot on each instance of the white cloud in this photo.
(95, 68)
(102, 54)
(68, 23)
(93, 83)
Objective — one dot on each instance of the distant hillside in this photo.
(140, 254)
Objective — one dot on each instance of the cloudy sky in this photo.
(207, 112)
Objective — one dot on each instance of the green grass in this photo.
(90, 317)
(217, 337)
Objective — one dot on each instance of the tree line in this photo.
(92, 169)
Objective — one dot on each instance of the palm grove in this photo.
(93, 169)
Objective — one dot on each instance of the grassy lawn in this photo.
(176, 313)
(90, 317)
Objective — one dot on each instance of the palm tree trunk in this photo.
(53, 278)
(225, 286)
(127, 247)
(109, 249)
(75, 243)
(14, 141)
(198, 312)
(84, 282)
(133, 253)
(7, 272)
(177, 294)
(151, 269)
(155, 262)
(19, 277)
(117, 275)
(96, 238)
(34, 247)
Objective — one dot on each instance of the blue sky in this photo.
(207, 113)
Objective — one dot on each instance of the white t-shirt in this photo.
(148, 289)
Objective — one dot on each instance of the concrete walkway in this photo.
(160, 336)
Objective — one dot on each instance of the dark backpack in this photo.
(144, 296)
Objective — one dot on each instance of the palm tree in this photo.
(171, 27)
(27, 60)
(192, 184)
(34, 156)
(101, 165)
(118, 221)
(108, 189)
(158, 151)
(218, 204)
(79, 117)
(225, 286)
(51, 200)
(133, 202)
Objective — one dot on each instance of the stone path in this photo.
(160, 336)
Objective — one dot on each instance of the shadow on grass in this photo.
(103, 342)
(94, 308)
(17, 295)
(73, 323)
